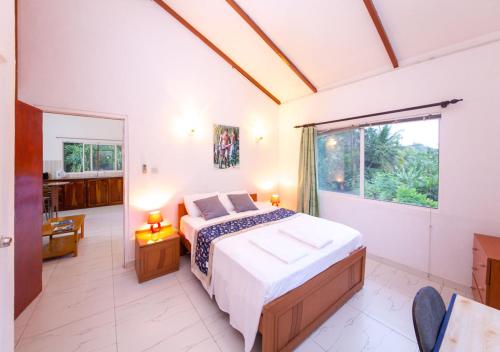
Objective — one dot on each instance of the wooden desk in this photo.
(472, 326)
(68, 242)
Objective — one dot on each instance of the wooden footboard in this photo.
(291, 318)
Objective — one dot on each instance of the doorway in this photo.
(84, 177)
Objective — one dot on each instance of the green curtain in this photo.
(307, 192)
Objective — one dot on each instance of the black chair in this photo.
(428, 313)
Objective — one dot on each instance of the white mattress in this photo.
(245, 278)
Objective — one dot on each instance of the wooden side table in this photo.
(156, 254)
(65, 242)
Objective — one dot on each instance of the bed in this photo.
(295, 306)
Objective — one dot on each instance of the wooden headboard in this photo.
(181, 210)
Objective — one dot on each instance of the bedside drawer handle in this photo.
(474, 249)
(474, 268)
(482, 265)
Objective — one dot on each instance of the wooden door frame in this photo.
(125, 154)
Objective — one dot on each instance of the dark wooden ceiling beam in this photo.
(381, 32)
(271, 44)
(212, 46)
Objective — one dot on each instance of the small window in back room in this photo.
(338, 161)
(402, 163)
(83, 156)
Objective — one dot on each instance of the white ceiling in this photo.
(334, 41)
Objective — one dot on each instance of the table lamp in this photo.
(275, 200)
(155, 218)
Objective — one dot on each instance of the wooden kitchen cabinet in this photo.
(74, 195)
(97, 192)
(90, 192)
(115, 191)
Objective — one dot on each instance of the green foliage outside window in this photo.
(73, 156)
(80, 157)
(399, 173)
(119, 162)
(393, 171)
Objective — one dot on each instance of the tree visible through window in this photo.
(401, 162)
(78, 157)
(73, 156)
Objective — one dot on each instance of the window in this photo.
(338, 166)
(78, 157)
(401, 162)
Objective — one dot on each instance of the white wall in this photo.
(7, 107)
(59, 128)
(130, 57)
(469, 193)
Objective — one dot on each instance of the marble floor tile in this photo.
(127, 288)
(200, 298)
(309, 346)
(164, 318)
(184, 273)
(370, 266)
(353, 331)
(408, 284)
(383, 274)
(67, 306)
(393, 309)
(93, 333)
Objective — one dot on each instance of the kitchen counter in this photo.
(76, 178)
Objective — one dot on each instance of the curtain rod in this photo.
(443, 104)
(383, 122)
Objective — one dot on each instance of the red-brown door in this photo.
(28, 206)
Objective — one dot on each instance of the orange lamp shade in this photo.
(275, 199)
(155, 218)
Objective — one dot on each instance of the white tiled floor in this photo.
(91, 303)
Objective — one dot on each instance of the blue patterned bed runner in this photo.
(207, 235)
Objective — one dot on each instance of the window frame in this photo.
(362, 128)
(91, 143)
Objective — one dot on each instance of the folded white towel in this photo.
(280, 247)
(309, 236)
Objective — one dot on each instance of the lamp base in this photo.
(155, 227)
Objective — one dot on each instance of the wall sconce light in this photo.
(258, 131)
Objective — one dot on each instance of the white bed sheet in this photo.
(245, 278)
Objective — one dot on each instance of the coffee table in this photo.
(66, 242)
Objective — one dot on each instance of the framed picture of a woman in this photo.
(226, 147)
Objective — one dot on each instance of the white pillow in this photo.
(225, 200)
(189, 200)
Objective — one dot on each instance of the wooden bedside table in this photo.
(156, 254)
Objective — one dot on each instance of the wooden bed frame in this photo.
(288, 320)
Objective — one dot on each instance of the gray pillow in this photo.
(242, 202)
(211, 207)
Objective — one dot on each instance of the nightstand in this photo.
(156, 254)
